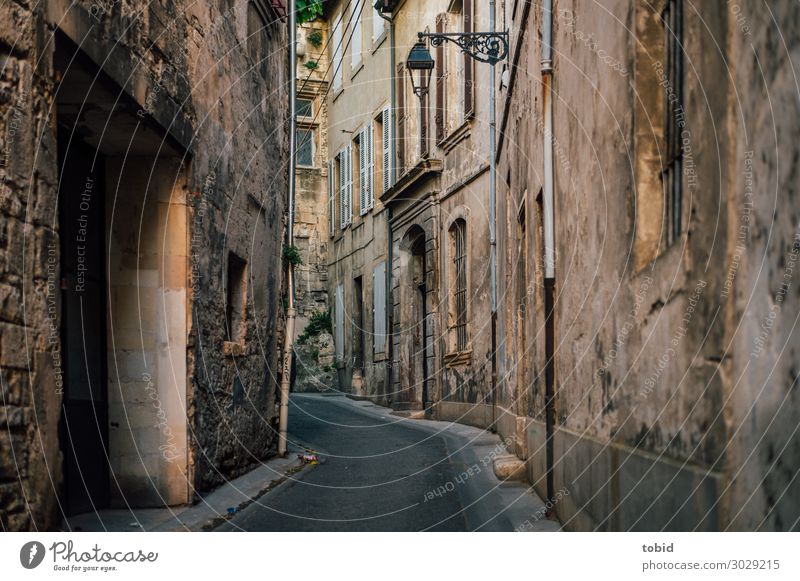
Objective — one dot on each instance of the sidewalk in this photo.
(206, 515)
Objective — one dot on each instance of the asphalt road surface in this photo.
(382, 473)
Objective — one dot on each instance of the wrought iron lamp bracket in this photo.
(486, 47)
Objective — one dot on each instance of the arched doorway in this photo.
(415, 323)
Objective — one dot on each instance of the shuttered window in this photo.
(355, 43)
(346, 186)
(338, 316)
(366, 163)
(338, 48)
(441, 93)
(386, 154)
(378, 25)
(379, 307)
(401, 120)
(469, 94)
(331, 196)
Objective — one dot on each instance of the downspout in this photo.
(493, 217)
(393, 176)
(286, 369)
(549, 241)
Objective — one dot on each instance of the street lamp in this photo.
(420, 66)
(486, 47)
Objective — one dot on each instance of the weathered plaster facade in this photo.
(357, 252)
(674, 407)
(443, 181)
(180, 231)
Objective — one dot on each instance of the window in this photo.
(659, 119)
(366, 169)
(674, 120)
(235, 296)
(256, 38)
(383, 125)
(355, 43)
(457, 311)
(378, 26)
(305, 147)
(400, 142)
(337, 53)
(305, 107)
(345, 164)
(333, 186)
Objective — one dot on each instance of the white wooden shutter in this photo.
(338, 315)
(355, 42)
(386, 120)
(349, 155)
(379, 307)
(338, 50)
(331, 196)
(370, 195)
(343, 188)
(363, 155)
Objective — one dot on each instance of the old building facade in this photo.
(132, 227)
(359, 169)
(441, 311)
(672, 338)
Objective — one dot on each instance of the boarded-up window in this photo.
(379, 307)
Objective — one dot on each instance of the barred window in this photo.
(675, 118)
(458, 310)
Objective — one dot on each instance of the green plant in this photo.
(292, 254)
(318, 323)
(308, 10)
(315, 38)
(312, 65)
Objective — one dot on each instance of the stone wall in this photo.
(663, 416)
(186, 85)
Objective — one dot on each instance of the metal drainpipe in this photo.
(549, 239)
(286, 369)
(388, 210)
(493, 217)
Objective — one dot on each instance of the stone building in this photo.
(359, 170)
(673, 338)
(314, 356)
(441, 311)
(144, 154)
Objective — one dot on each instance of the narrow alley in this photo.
(383, 472)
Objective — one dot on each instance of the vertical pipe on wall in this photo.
(549, 249)
(286, 368)
(393, 170)
(493, 216)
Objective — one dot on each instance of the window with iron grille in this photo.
(458, 244)
(675, 118)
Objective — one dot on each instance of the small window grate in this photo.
(460, 291)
